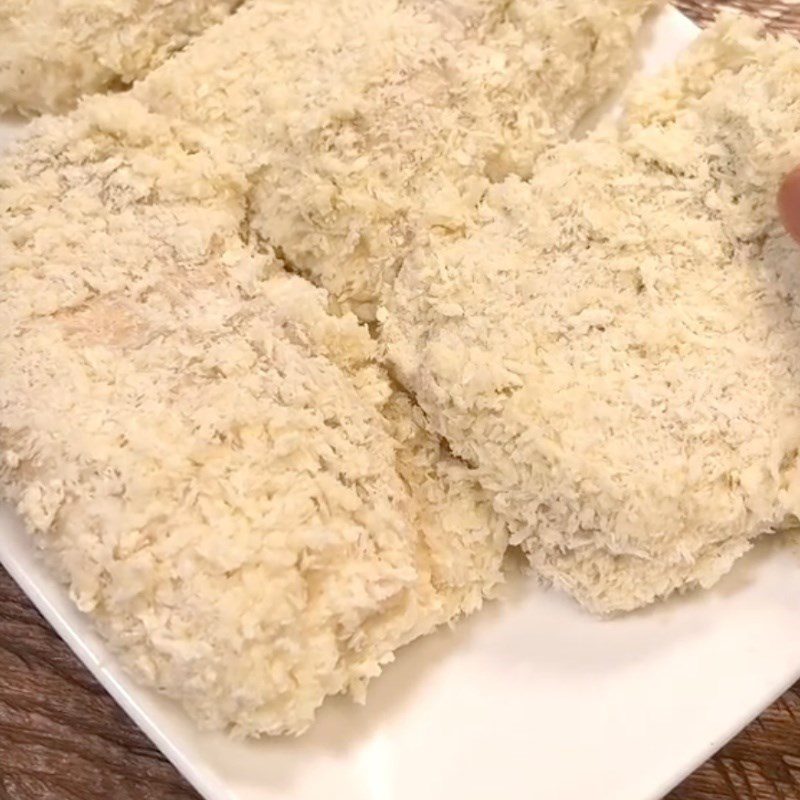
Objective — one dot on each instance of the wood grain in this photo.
(63, 738)
(779, 16)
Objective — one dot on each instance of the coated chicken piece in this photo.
(52, 52)
(363, 120)
(613, 345)
(216, 466)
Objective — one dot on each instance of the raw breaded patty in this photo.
(200, 447)
(53, 52)
(614, 344)
(215, 464)
(361, 120)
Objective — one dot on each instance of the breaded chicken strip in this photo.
(214, 465)
(614, 344)
(362, 120)
(52, 52)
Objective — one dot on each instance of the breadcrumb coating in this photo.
(613, 344)
(52, 52)
(208, 449)
(364, 120)
(215, 465)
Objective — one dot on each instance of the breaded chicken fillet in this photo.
(613, 345)
(364, 120)
(52, 52)
(214, 464)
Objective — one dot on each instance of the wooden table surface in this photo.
(63, 738)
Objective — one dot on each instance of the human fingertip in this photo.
(789, 203)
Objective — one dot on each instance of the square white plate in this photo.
(529, 699)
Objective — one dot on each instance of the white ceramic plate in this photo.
(529, 699)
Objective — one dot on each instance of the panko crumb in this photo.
(216, 466)
(612, 345)
(363, 120)
(53, 52)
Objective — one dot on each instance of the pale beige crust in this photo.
(613, 344)
(364, 120)
(217, 465)
(53, 52)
